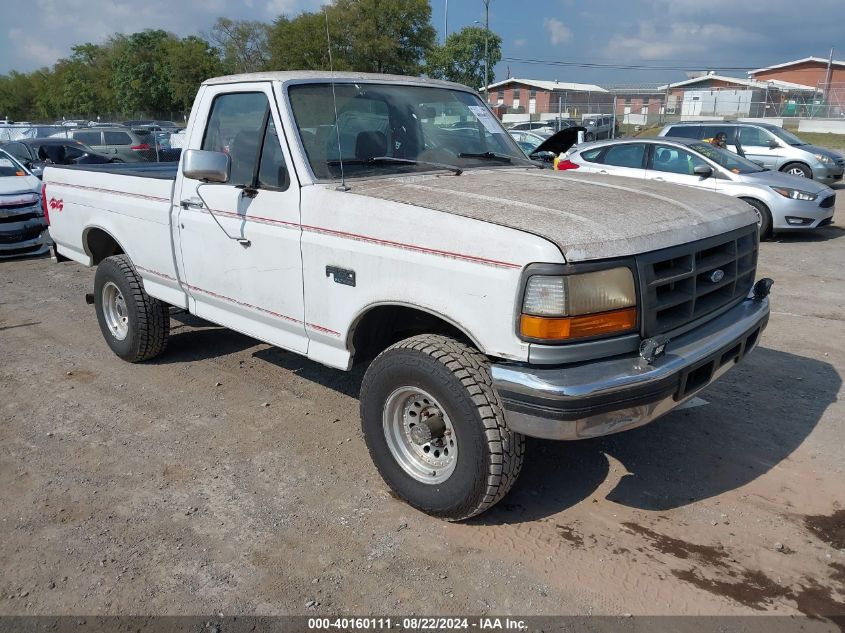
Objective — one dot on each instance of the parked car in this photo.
(161, 125)
(530, 125)
(769, 145)
(23, 227)
(781, 201)
(122, 144)
(488, 298)
(35, 152)
(529, 141)
(599, 126)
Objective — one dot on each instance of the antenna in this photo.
(342, 186)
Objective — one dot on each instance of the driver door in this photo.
(240, 240)
(668, 163)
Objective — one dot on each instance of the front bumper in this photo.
(23, 232)
(616, 394)
(800, 214)
(828, 174)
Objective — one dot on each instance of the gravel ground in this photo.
(229, 476)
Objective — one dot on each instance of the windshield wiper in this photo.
(487, 156)
(392, 159)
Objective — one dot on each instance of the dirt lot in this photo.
(229, 476)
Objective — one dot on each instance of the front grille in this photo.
(21, 236)
(19, 205)
(828, 202)
(680, 285)
(20, 218)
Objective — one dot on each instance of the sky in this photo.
(680, 34)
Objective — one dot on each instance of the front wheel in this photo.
(135, 325)
(797, 169)
(435, 428)
(764, 217)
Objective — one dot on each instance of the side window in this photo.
(89, 138)
(272, 171)
(72, 152)
(235, 126)
(592, 155)
(674, 160)
(626, 155)
(684, 131)
(753, 136)
(117, 138)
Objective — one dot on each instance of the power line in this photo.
(550, 62)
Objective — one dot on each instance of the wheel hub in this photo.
(115, 312)
(420, 435)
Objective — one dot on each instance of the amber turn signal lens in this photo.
(564, 328)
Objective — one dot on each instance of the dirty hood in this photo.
(587, 217)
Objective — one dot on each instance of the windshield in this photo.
(782, 134)
(727, 159)
(9, 166)
(396, 129)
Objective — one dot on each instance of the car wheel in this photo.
(764, 217)
(135, 325)
(798, 169)
(435, 428)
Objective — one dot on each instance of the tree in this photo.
(461, 57)
(379, 36)
(141, 71)
(84, 81)
(244, 44)
(192, 60)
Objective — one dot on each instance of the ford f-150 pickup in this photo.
(392, 222)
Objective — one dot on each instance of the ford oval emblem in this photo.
(717, 275)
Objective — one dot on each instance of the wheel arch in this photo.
(377, 326)
(99, 243)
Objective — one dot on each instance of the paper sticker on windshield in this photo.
(487, 120)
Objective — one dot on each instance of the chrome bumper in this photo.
(621, 393)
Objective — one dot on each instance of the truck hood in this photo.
(19, 185)
(588, 217)
(779, 179)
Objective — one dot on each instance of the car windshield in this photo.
(784, 135)
(727, 159)
(9, 166)
(391, 129)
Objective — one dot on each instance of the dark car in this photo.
(35, 152)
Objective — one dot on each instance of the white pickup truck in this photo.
(393, 221)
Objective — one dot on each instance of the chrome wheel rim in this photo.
(759, 217)
(796, 171)
(420, 435)
(115, 311)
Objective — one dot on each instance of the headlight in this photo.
(795, 194)
(560, 308)
(825, 160)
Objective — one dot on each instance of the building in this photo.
(716, 95)
(539, 100)
(810, 71)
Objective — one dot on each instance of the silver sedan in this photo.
(782, 202)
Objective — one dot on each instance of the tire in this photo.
(764, 217)
(135, 325)
(449, 381)
(798, 169)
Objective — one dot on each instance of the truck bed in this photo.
(161, 171)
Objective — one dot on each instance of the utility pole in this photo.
(446, 22)
(486, 53)
(827, 78)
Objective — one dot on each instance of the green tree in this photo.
(17, 96)
(84, 81)
(192, 60)
(461, 57)
(243, 43)
(142, 72)
(380, 36)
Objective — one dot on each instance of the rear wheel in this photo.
(798, 169)
(135, 325)
(435, 428)
(764, 217)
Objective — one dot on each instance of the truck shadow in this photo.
(757, 415)
(193, 338)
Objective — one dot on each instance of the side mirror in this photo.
(207, 166)
(773, 144)
(705, 171)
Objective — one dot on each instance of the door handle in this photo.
(191, 203)
(661, 179)
(603, 171)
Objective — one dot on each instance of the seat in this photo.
(370, 144)
(244, 154)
